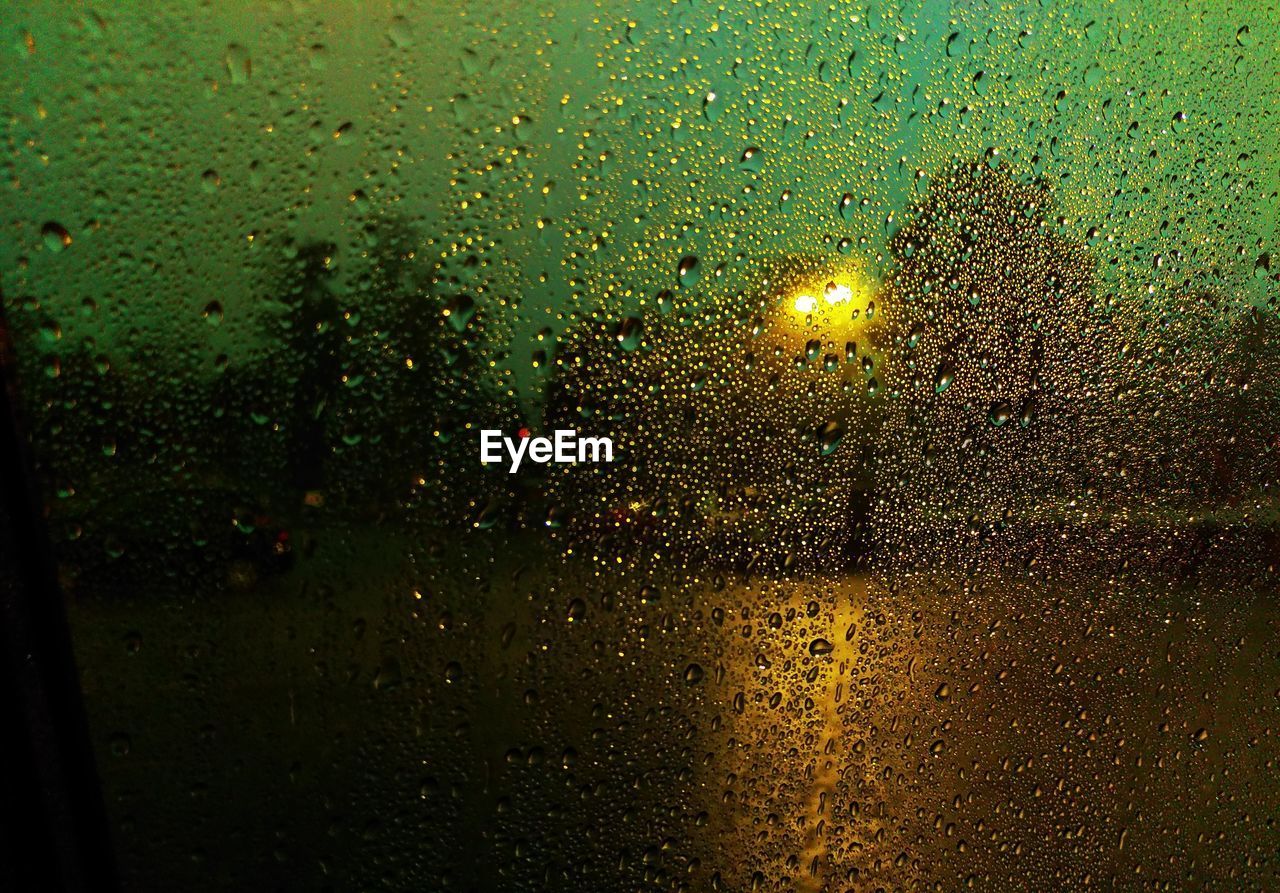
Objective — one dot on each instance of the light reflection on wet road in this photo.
(1002, 734)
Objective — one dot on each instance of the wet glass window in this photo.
(673, 446)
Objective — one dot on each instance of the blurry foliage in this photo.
(1002, 354)
(353, 407)
(734, 445)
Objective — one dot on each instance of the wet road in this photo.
(517, 722)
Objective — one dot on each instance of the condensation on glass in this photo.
(938, 348)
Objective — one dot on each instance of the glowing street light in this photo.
(837, 309)
(838, 293)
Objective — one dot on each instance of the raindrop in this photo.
(820, 647)
(400, 33)
(688, 271)
(629, 333)
(914, 336)
(945, 375)
(388, 675)
(829, 437)
(846, 206)
(712, 106)
(56, 237)
(239, 65)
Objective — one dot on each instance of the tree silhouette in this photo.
(1000, 358)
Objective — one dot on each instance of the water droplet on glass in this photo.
(820, 647)
(945, 375)
(629, 333)
(688, 270)
(829, 437)
(400, 33)
(56, 237)
(239, 65)
(752, 160)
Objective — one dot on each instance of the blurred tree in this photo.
(1000, 352)
(728, 451)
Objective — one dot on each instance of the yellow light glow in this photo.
(842, 303)
(837, 293)
(836, 305)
